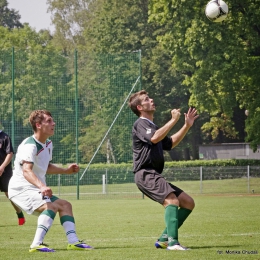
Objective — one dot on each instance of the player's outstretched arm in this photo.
(54, 169)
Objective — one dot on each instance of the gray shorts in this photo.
(153, 185)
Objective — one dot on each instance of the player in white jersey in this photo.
(28, 188)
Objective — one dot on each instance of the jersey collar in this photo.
(147, 120)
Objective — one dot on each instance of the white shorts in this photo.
(29, 201)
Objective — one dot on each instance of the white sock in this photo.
(44, 223)
(69, 226)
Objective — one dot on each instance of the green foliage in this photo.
(173, 171)
(186, 61)
(229, 162)
(219, 61)
(105, 81)
(43, 78)
(123, 26)
(193, 163)
(40, 80)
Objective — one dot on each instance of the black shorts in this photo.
(4, 180)
(153, 185)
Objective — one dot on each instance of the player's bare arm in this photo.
(164, 130)
(32, 178)
(190, 117)
(53, 169)
(7, 160)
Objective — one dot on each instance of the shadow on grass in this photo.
(211, 247)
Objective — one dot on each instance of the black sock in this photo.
(20, 215)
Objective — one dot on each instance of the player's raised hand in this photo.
(190, 116)
(176, 114)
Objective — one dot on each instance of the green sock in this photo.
(171, 220)
(182, 215)
(164, 236)
(20, 215)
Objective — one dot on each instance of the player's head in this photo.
(37, 116)
(141, 104)
(136, 100)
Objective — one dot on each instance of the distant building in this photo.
(228, 151)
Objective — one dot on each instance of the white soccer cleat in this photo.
(177, 247)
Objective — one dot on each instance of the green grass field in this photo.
(129, 190)
(127, 229)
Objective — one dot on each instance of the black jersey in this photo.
(147, 155)
(5, 148)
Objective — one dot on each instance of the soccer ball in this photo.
(216, 10)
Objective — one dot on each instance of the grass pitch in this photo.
(220, 227)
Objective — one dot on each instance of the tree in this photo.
(41, 81)
(9, 17)
(122, 27)
(70, 17)
(219, 61)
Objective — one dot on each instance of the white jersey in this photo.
(39, 154)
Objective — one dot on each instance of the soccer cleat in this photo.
(161, 244)
(80, 245)
(176, 247)
(21, 221)
(41, 248)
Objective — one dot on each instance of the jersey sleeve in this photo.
(167, 143)
(144, 130)
(8, 145)
(27, 153)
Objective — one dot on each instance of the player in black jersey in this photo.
(6, 155)
(149, 141)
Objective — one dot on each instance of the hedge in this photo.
(173, 171)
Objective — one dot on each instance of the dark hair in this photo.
(37, 116)
(135, 100)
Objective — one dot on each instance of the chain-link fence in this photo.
(119, 184)
(87, 95)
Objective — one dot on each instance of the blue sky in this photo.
(33, 12)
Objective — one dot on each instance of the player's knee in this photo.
(53, 207)
(192, 203)
(186, 201)
(171, 199)
(66, 205)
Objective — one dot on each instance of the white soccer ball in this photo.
(216, 10)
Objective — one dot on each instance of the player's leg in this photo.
(47, 213)
(67, 221)
(32, 202)
(187, 204)
(19, 212)
(4, 181)
(171, 205)
(153, 185)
